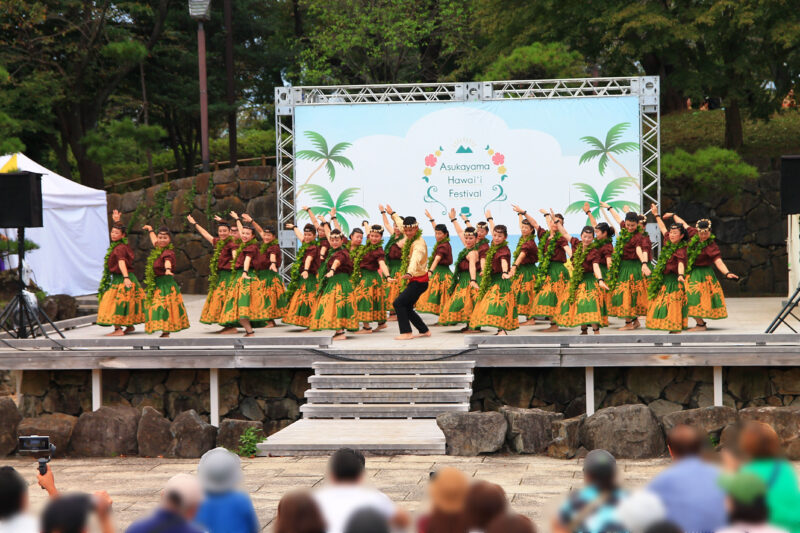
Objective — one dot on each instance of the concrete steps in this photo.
(435, 381)
(379, 410)
(347, 396)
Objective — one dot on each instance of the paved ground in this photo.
(534, 484)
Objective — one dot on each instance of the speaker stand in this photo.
(19, 310)
(786, 312)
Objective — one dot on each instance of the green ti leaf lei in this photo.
(578, 257)
(522, 240)
(544, 266)
(612, 276)
(105, 279)
(359, 254)
(393, 238)
(486, 280)
(406, 258)
(265, 246)
(482, 242)
(433, 255)
(213, 266)
(242, 246)
(457, 277)
(657, 276)
(695, 248)
(323, 269)
(150, 273)
(294, 275)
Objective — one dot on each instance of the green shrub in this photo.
(709, 169)
(248, 441)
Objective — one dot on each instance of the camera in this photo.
(40, 447)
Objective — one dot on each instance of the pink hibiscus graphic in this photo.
(430, 160)
(498, 158)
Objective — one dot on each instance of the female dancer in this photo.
(394, 257)
(369, 269)
(302, 289)
(523, 268)
(667, 309)
(603, 232)
(439, 272)
(585, 304)
(463, 292)
(242, 291)
(703, 291)
(629, 266)
(219, 277)
(496, 305)
(334, 305)
(121, 297)
(269, 288)
(165, 310)
(552, 282)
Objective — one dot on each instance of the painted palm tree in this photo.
(326, 157)
(326, 202)
(605, 151)
(610, 195)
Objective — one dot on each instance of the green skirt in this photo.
(547, 301)
(242, 301)
(523, 288)
(215, 300)
(497, 308)
(704, 294)
(629, 297)
(334, 308)
(370, 297)
(589, 306)
(301, 303)
(668, 311)
(166, 311)
(121, 306)
(431, 300)
(459, 303)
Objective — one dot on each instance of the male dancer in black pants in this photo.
(416, 255)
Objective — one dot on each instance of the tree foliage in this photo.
(537, 61)
(709, 170)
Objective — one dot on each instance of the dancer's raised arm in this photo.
(247, 218)
(457, 226)
(490, 220)
(200, 229)
(588, 210)
(613, 212)
(388, 223)
(522, 213)
(430, 219)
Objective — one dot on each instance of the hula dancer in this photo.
(585, 304)
(394, 257)
(523, 268)
(334, 299)
(552, 282)
(413, 279)
(667, 309)
(219, 267)
(121, 297)
(302, 289)
(369, 269)
(496, 305)
(463, 292)
(703, 292)
(439, 272)
(603, 232)
(269, 289)
(241, 297)
(165, 310)
(629, 266)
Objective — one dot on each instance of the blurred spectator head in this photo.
(758, 440)
(600, 470)
(511, 523)
(484, 502)
(684, 441)
(640, 510)
(299, 513)
(448, 490)
(746, 497)
(664, 526)
(346, 466)
(367, 520)
(67, 514)
(13, 493)
(220, 471)
(182, 495)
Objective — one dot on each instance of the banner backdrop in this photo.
(472, 156)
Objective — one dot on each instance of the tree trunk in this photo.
(734, 137)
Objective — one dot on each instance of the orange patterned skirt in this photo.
(120, 306)
(497, 308)
(555, 289)
(166, 311)
(704, 294)
(668, 310)
(334, 308)
(629, 297)
(215, 300)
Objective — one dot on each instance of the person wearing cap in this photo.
(180, 500)
(448, 491)
(640, 510)
(593, 508)
(70, 513)
(224, 509)
(219, 268)
(413, 274)
(747, 504)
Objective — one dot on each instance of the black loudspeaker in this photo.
(790, 185)
(21, 200)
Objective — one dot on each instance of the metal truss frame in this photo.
(288, 98)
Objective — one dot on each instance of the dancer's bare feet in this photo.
(501, 332)
(627, 327)
(584, 330)
(363, 331)
(165, 335)
(699, 327)
(404, 337)
(382, 325)
(118, 332)
(250, 333)
(392, 318)
(129, 330)
(552, 329)
(229, 331)
(529, 322)
(636, 324)
(675, 332)
(596, 330)
(340, 336)
(420, 335)
(270, 324)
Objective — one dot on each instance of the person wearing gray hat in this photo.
(225, 509)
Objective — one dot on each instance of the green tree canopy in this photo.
(537, 61)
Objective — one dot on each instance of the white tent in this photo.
(74, 238)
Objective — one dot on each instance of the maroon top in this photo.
(595, 255)
(446, 253)
(531, 253)
(395, 252)
(159, 268)
(370, 260)
(313, 252)
(226, 254)
(559, 254)
(629, 250)
(502, 253)
(251, 251)
(607, 250)
(262, 262)
(323, 243)
(345, 262)
(121, 252)
(647, 246)
(482, 250)
(679, 256)
(708, 255)
(463, 266)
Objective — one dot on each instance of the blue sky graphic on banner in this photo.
(469, 156)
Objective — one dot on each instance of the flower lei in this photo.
(407, 256)
(522, 240)
(657, 276)
(213, 266)
(544, 266)
(612, 276)
(696, 247)
(486, 280)
(294, 275)
(433, 255)
(150, 273)
(105, 279)
(578, 257)
(357, 256)
(461, 255)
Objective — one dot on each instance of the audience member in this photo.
(224, 509)
(747, 504)
(448, 490)
(592, 508)
(664, 526)
(640, 510)
(345, 493)
(70, 513)
(14, 517)
(180, 501)
(511, 523)
(367, 520)
(762, 447)
(484, 502)
(688, 488)
(299, 513)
